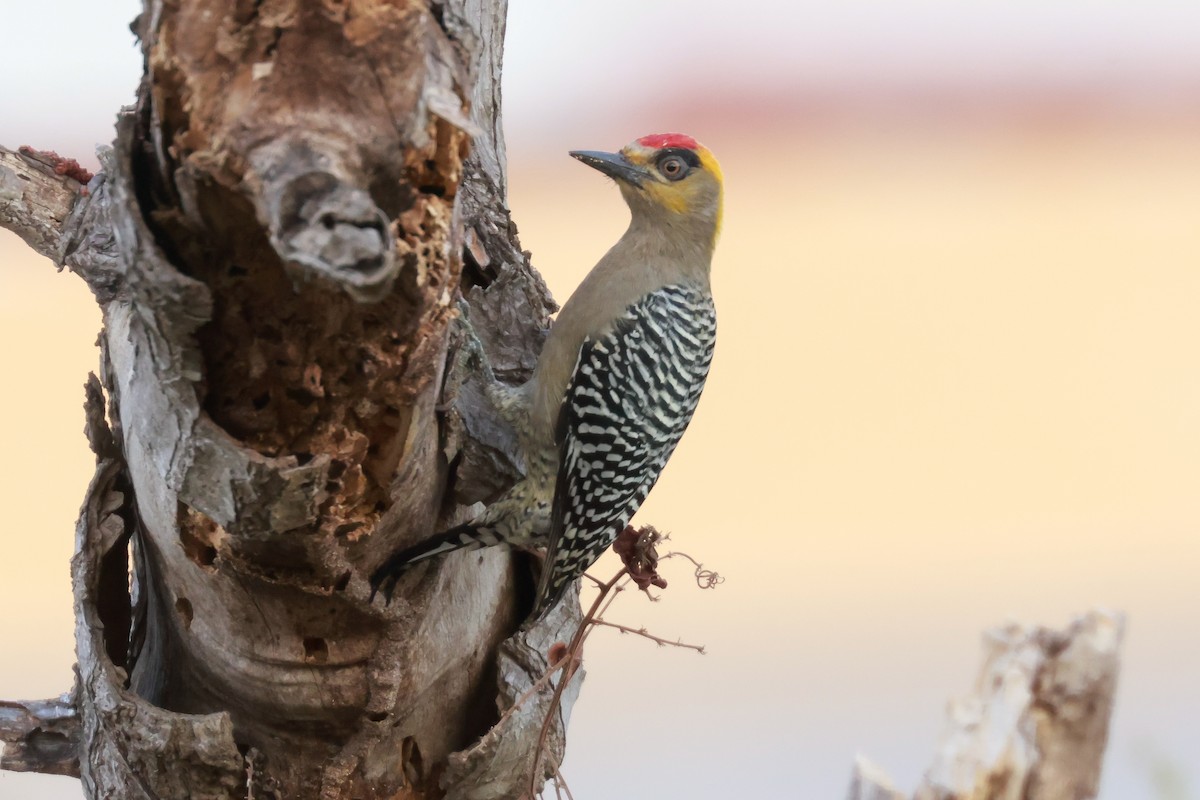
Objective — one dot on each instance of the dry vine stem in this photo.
(661, 642)
(572, 652)
(636, 549)
(560, 783)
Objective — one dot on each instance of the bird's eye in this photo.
(672, 168)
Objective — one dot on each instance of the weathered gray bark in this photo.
(279, 239)
(1036, 725)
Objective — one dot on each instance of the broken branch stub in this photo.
(40, 736)
(36, 202)
(1036, 725)
(868, 782)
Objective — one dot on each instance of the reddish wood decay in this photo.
(559, 650)
(60, 164)
(230, 74)
(301, 370)
(293, 369)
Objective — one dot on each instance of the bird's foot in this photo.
(385, 578)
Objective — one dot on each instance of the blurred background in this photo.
(957, 380)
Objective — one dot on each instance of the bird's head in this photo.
(667, 175)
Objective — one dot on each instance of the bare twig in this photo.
(593, 579)
(572, 649)
(559, 781)
(636, 547)
(616, 592)
(661, 642)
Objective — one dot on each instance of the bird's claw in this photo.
(384, 580)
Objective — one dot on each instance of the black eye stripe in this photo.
(688, 157)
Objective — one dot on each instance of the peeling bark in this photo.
(35, 201)
(280, 240)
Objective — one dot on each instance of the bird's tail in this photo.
(547, 598)
(460, 537)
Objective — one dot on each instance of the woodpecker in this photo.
(618, 378)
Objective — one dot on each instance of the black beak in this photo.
(613, 165)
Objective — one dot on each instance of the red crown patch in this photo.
(661, 140)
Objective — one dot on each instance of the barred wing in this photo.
(627, 405)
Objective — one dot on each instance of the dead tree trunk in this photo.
(280, 240)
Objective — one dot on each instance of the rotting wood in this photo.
(277, 242)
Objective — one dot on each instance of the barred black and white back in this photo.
(630, 399)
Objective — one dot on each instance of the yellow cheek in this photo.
(668, 197)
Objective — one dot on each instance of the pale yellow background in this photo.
(957, 378)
